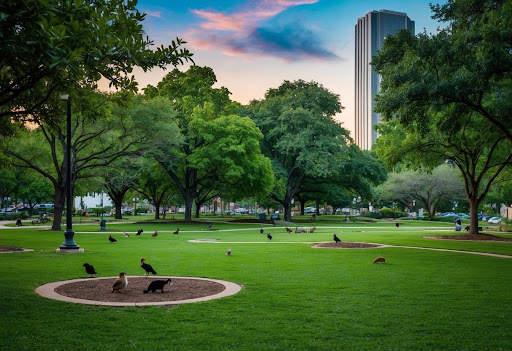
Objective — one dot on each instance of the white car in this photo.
(494, 220)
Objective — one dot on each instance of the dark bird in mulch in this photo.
(336, 239)
(120, 283)
(228, 253)
(269, 237)
(158, 285)
(155, 234)
(397, 224)
(177, 231)
(146, 267)
(111, 239)
(126, 234)
(89, 269)
(288, 230)
(261, 231)
(139, 232)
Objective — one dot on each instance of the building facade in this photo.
(370, 32)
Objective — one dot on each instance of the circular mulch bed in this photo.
(98, 291)
(348, 245)
(473, 237)
(9, 249)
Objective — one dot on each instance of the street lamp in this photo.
(69, 244)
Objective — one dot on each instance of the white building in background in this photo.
(370, 32)
(93, 200)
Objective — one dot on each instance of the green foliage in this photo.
(52, 45)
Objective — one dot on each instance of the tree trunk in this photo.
(198, 209)
(473, 215)
(302, 204)
(189, 201)
(157, 210)
(58, 206)
(118, 206)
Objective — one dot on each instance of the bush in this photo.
(505, 225)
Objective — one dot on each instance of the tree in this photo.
(52, 45)
(428, 188)
(467, 67)
(33, 189)
(300, 136)
(220, 151)
(479, 156)
(96, 142)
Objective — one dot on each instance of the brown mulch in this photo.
(101, 290)
(9, 248)
(476, 237)
(347, 245)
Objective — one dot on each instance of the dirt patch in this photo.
(347, 245)
(101, 290)
(9, 248)
(473, 237)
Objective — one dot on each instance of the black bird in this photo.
(228, 253)
(112, 240)
(261, 231)
(397, 224)
(155, 234)
(336, 239)
(269, 237)
(147, 267)
(177, 231)
(157, 285)
(89, 269)
(139, 232)
(126, 234)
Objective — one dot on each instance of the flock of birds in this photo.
(122, 281)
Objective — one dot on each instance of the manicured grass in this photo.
(294, 297)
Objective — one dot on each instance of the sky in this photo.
(254, 45)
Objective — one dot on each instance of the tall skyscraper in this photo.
(370, 33)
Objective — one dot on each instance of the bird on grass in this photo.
(397, 224)
(139, 232)
(111, 239)
(269, 237)
(126, 234)
(158, 285)
(261, 231)
(155, 234)
(146, 267)
(209, 226)
(336, 239)
(288, 230)
(228, 253)
(120, 283)
(177, 231)
(89, 269)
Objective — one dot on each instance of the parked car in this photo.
(494, 220)
(484, 218)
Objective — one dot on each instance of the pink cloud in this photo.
(157, 14)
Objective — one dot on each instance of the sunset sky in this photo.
(255, 45)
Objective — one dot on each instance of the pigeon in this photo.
(89, 269)
(177, 231)
(126, 234)
(120, 283)
(336, 239)
(155, 234)
(158, 285)
(111, 239)
(139, 232)
(269, 237)
(228, 253)
(261, 231)
(397, 224)
(147, 267)
(288, 230)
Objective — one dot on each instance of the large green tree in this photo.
(300, 136)
(54, 45)
(220, 150)
(466, 66)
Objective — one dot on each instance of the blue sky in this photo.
(254, 45)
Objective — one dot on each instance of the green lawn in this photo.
(294, 297)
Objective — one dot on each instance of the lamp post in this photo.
(69, 244)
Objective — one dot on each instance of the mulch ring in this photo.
(101, 290)
(347, 245)
(472, 237)
(9, 249)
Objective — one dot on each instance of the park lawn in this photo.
(294, 297)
